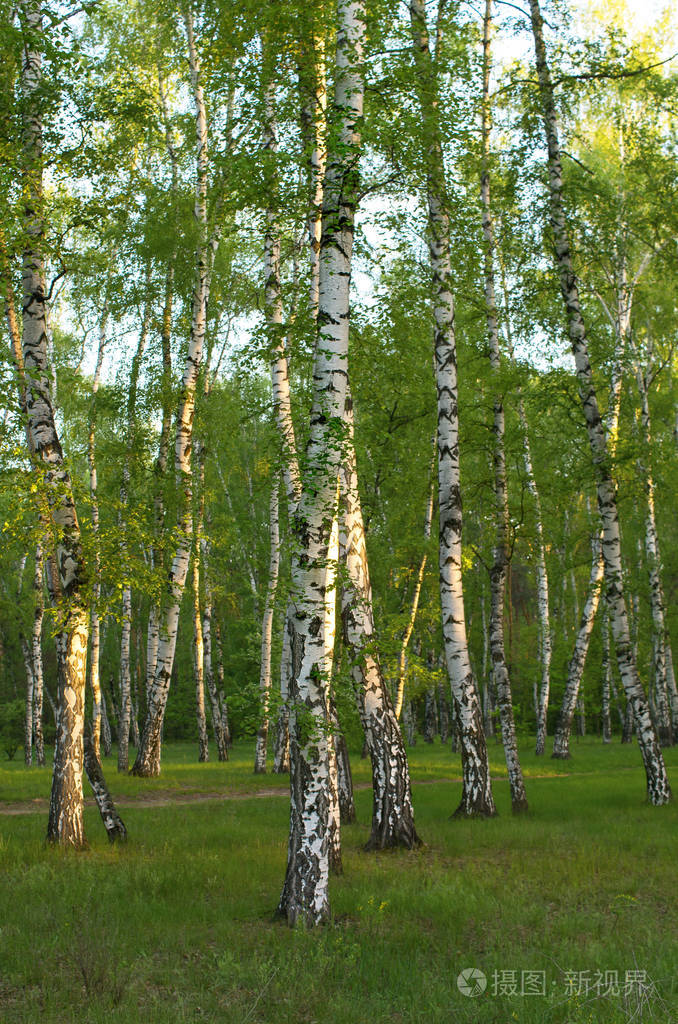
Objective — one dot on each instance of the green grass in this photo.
(177, 925)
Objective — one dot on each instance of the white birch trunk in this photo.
(392, 811)
(65, 824)
(126, 627)
(28, 703)
(545, 639)
(208, 669)
(267, 631)
(282, 406)
(106, 739)
(313, 117)
(36, 651)
(607, 681)
(561, 738)
(199, 661)
(281, 763)
(148, 756)
(500, 555)
(477, 792)
(329, 631)
(95, 627)
(305, 896)
(654, 568)
(414, 606)
(658, 789)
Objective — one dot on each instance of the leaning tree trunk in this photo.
(658, 789)
(267, 633)
(148, 756)
(501, 546)
(113, 823)
(414, 606)
(344, 774)
(305, 897)
(392, 811)
(65, 824)
(477, 792)
(561, 738)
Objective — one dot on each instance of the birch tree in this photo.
(658, 789)
(65, 824)
(305, 896)
(498, 572)
(477, 793)
(148, 756)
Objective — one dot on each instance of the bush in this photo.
(12, 717)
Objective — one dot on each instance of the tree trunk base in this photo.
(480, 810)
(404, 838)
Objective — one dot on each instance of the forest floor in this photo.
(570, 912)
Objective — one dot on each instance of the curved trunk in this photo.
(561, 739)
(113, 823)
(65, 824)
(402, 660)
(658, 789)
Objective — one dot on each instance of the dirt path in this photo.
(170, 797)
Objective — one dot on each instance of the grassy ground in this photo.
(177, 925)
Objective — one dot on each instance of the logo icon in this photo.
(471, 982)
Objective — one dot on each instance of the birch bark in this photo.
(660, 640)
(658, 789)
(148, 756)
(199, 660)
(65, 824)
(501, 547)
(545, 640)
(126, 627)
(267, 631)
(392, 811)
(305, 896)
(36, 650)
(477, 793)
(402, 660)
(94, 622)
(220, 737)
(607, 680)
